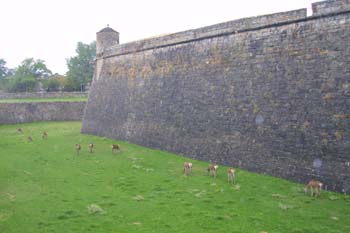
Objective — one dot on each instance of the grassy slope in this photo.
(46, 187)
(29, 100)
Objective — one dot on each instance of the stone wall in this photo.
(12, 113)
(24, 95)
(264, 94)
(326, 7)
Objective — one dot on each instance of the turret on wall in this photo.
(105, 38)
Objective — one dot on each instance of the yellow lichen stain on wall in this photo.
(256, 108)
(321, 52)
(328, 97)
(293, 51)
(215, 57)
(145, 71)
(306, 124)
(324, 138)
(338, 135)
(341, 116)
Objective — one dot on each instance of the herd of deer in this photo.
(45, 135)
(29, 138)
(114, 147)
(212, 171)
(313, 187)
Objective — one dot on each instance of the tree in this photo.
(16, 84)
(27, 75)
(33, 68)
(80, 67)
(51, 84)
(3, 69)
(55, 83)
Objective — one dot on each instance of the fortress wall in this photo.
(273, 100)
(13, 113)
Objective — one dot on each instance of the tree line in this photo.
(32, 74)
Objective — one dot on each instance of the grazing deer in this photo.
(29, 138)
(314, 186)
(45, 135)
(91, 147)
(77, 148)
(20, 130)
(187, 168)
(231, 175)
(115, 147)
(213, 169)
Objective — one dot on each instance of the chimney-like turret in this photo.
(105, 38)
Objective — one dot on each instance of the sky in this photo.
(50, 29)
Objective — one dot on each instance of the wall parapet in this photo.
(326, 7)
(234, 26)
(320, 9)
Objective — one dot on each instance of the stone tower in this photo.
(105, 38)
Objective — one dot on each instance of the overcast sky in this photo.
(50, 29)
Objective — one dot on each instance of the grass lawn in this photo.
(46, 187)
(28, 100)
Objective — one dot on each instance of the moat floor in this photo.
(46, 187)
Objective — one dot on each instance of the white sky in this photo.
(50, 29)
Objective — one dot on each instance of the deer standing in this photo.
(77, 148)
(314, 186)
(45, 135)
(187, 168)
(91, 147)
(213, 169)
(115, 147)
(231, 175)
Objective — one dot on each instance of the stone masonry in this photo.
(13, 113)
(270, 94)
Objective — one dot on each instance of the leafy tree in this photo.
(33, 68)
(51, 84)
(3, 69)
(80, 67)
(27, 75)
(17, 84)
(4, 72)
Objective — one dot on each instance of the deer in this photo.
(187, 168)
(77, 148)
(115, 147)
(314, 186)
(45, 135)
(231, 175)
(213, 169)
(29, 138)
(91, 147)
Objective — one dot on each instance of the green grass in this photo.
(46, 187)
(28, 100)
